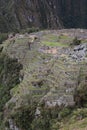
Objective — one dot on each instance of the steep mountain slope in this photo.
(25, 13)
(54, 71)
(17, 14)
(8, 20)
(72, 13)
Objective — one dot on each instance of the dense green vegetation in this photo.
(8, 79)
(49, 118)
(3, 37)
(76, 41)
(29, 30)
(81, 95)
(24, 116)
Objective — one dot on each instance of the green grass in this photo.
(51, 37)
(77, 125)
(22, 40)
(35, 88)
(73, 121)
(84, 40)
(64, 37)
(54, 44)
(55, 40)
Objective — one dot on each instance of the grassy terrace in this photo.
(47, 77)
(55, 41)
(54, 44)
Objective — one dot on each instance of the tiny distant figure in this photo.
(29, 45)
(13, 41)
(21, 77)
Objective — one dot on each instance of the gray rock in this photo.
(37, 113)
(79, 47)
(12, 125)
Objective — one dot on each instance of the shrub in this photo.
(7, 77)
(81, 95)
(29, 30)
(55, 126)
(76, 41)
(24, 116)
(80, 113)
(3, 37)
(65, 112)
(41, 123)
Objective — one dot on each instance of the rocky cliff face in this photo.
(45, 14)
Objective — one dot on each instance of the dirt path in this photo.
(51, 51)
